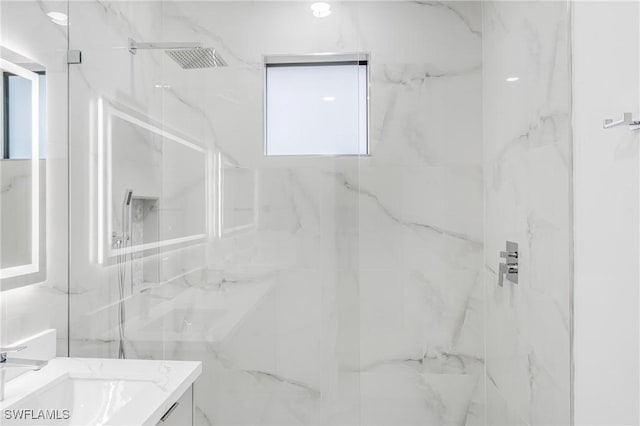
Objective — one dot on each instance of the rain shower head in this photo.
(200, 57)
(188, 55)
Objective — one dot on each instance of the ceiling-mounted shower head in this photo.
(201, 57)
(186, 54)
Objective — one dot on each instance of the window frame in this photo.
(318, 59)
(5, 115)
(6, 95)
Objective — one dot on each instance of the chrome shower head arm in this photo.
(134, 45)
(188, 55)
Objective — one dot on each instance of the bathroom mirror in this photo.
(152, 185)
(22, 170)
(237, 200)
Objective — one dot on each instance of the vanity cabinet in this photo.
(181, 412)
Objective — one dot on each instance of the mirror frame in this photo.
(34, 266)
(105, 197)
(222, 166)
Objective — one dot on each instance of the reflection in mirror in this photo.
(153, 186)
(22, 170)
(237, 197)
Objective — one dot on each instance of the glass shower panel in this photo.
(116, 144)
(285, 228)
(420, 215)
(188, 243)
(33, 199)
(528, 169)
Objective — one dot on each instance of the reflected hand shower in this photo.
(122, 268)
(128, 196)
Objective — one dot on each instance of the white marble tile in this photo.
(527, 200)
(378, 316)
(417, 113)
(15, 189)
(499, 411)
(378, 259)
(401, 394)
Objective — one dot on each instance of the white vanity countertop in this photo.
(155, 385)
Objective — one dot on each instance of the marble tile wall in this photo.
(421, 226)
(365, 275)
(373, 264)
(404, 264)
(26, 29)
(528, 169)
(15, 247)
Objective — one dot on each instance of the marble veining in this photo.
(377, 291)
(365, 193)
(528, 163)
(451, 6)
(379, 267)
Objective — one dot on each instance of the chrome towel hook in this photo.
(626, 119)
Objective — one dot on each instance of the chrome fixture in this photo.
(122, 243)
(127, 197)
(188, 55)
(74, 57)
(15, 363)
(627, 119)
(509, 268)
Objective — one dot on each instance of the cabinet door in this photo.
(181, 413)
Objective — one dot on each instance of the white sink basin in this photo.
(93, 391)
(78, 401)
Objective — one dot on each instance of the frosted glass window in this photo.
(316, 108)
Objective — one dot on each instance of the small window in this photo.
(316, 105)
(16, 116)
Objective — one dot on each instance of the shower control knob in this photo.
(509, 269)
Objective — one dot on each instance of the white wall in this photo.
(606, 75)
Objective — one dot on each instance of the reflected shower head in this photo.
(201, 57)
(186, 54)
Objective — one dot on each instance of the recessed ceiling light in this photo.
(329, 98)
(59, 18)
(512, 79)
(321, 9)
